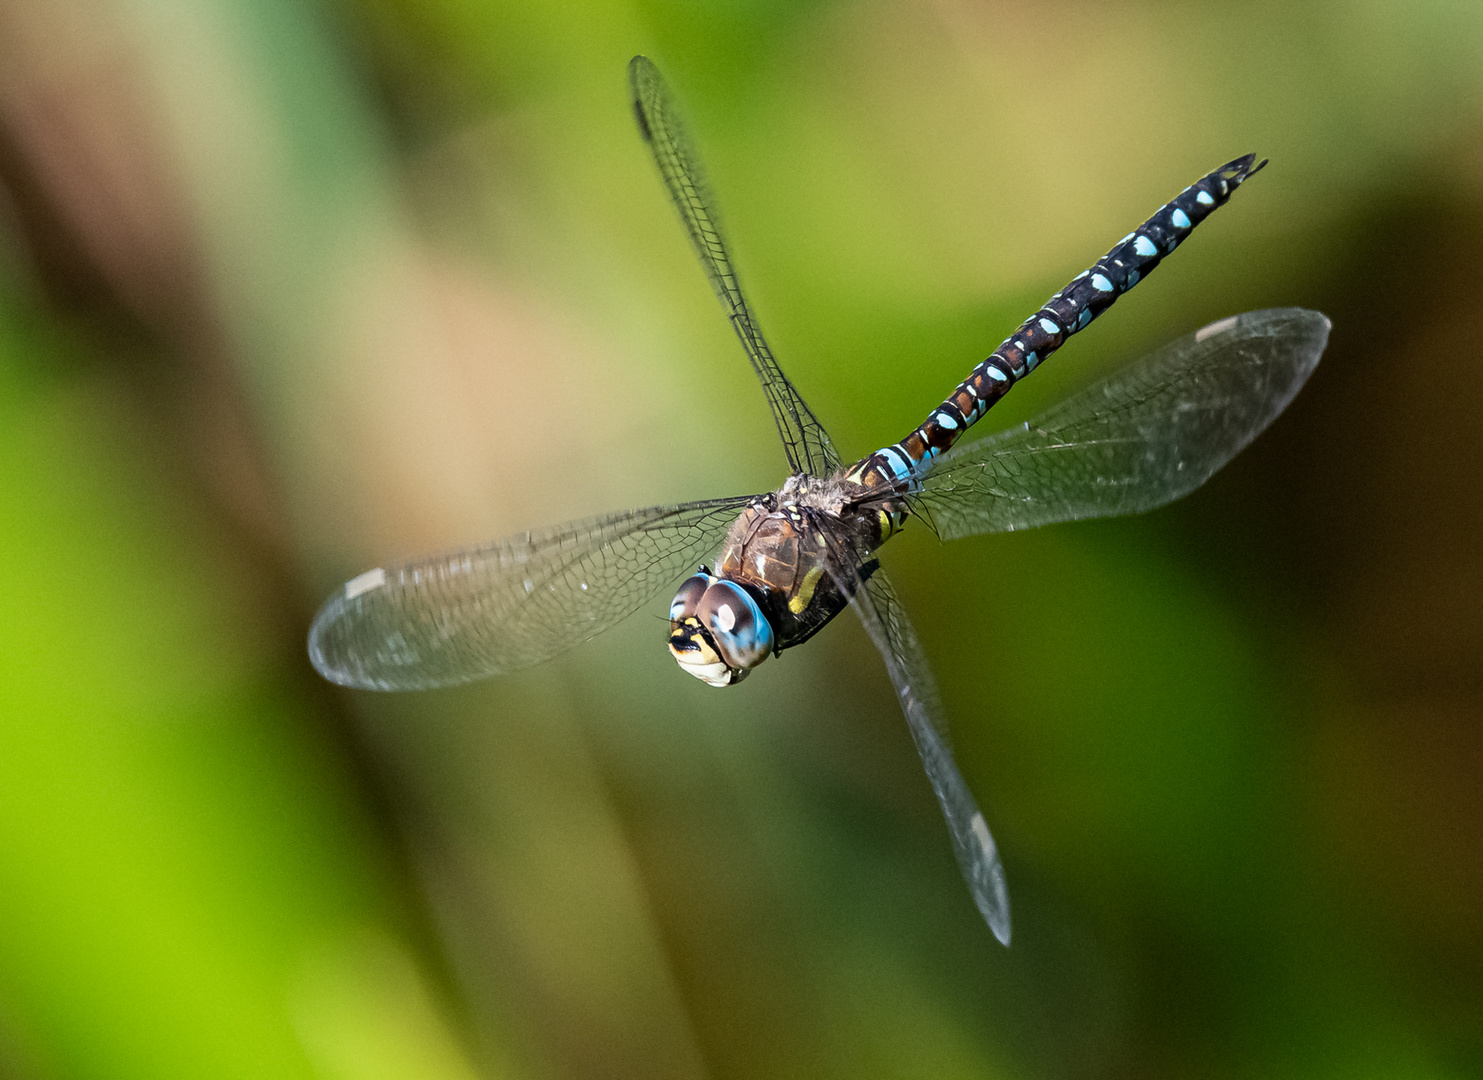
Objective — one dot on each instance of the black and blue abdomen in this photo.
(1088, 295)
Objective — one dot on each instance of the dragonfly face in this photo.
(717, 631)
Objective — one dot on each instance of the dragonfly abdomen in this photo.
(1089, 294)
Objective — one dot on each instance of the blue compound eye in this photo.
(742, 634)
(686, 601)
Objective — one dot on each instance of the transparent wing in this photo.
(512, 603)
(879, 608)
(805, 441)
(1150, 434)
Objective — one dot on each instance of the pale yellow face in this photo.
(694, 654)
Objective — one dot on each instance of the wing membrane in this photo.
(1148, 435)
(511, 603)
(879, 608)
(805, 441)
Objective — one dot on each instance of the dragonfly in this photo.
(768, 571)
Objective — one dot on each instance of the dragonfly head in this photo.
(717, 631)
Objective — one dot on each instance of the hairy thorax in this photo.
(800, 549)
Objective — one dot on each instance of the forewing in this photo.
(805, 441)
(1150, 434)
(879, 608)
(512, 603)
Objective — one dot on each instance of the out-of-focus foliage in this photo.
(291, 289)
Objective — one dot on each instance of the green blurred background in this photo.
(291, 288)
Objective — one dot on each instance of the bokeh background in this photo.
(292, 288)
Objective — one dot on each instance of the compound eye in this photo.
(687, 600)
(742, 633)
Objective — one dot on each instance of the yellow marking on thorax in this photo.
(805, 591)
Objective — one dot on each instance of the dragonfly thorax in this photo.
(781, 577)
